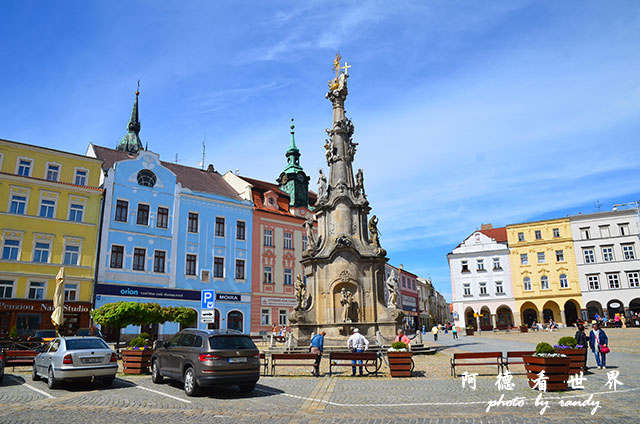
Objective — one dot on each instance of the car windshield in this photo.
(231, 342)
(77, 344)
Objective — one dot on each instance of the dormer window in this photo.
(146, 178)
(270, 200)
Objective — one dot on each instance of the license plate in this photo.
(91, 360)
(237, 360)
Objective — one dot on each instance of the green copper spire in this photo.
(293, 154)
(131, 143)
(293, 180)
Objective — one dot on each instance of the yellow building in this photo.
(50, 207)
(544, 272)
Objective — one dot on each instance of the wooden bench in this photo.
(506, 361)
(497, 356)
(264, 363)
(19, 357)
(369, 359)
(309, 359)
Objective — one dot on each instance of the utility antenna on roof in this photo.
(597, 204)
(176, 160)
(204, 147)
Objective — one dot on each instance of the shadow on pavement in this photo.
(12, 380)
(232, 392)
(438, 348)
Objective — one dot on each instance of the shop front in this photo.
(410, 309)
(29, 316)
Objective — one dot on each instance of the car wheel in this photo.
(155, 373)
(191, 387)
(52, 382)
(246, 388)
(34, 373)
(108, 381)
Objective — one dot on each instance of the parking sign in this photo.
(207, 299)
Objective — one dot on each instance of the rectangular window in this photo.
(594, 282)
(483, 289)
(268, 238)
(538, 234)
(480, 263)
(162, 220)
(265, 315)
(36, 290)
(139, 258)
(143, 214)
(75, 212)
(544, 282)
(190, 269)
(268, 274)
(24, 167)
(47, 208)
(192, 226)
(283, 316)
(117, 256)
(288, 277)
(465, 266)
(70, 292)
(527, 284)
(589, 256)
(41, 252)
(584, 232)
(305, 243)
(241, 230)
(520, 236)
(499, 287)
(219, 226)
(239, 269)
(496, 264)
(52, 172)
(541, 258)
(159, 259)
(604, 231)
(81, 177)
(122, 210)
(18, 204)
(564, 282)
(623, 229)
(559, 255)
(628, 252)
(467, 289)
(10, 249)
(6, 289)
(71, 255)
(634, 279)
(614, 281)
(404, 282)
(524, 259)
(556, 232)
(218, 267)
(288, 241)
(607, 253)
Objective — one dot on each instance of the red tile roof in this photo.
(261, 187)
(499, 234)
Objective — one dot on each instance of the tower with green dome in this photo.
(293, 180)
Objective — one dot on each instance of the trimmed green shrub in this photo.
(568, 341)
(544, 347)
(137, 342)
(145, 336)
(398, 345)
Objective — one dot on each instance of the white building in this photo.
(481, 280)
(606, 248)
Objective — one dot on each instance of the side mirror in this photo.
(165, 344)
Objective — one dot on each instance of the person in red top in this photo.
(401, 337)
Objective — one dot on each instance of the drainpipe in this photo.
(99, 242)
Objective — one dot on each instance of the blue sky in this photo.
(466, 112)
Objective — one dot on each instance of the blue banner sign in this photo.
(141, 291)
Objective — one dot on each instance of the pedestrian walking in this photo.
(581, 340)
(434, 331)
(317, 347)
(357, 343)
(598, 341)
(454, 331)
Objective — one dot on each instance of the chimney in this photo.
(210, 168)
(486, 226)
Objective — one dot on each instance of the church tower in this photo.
(293, 180)
(131, 143)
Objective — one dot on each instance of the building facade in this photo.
(50, 218)
(544, 272)
(606, 254)
(481, 281)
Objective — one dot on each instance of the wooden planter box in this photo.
(578, 359)
(136, 361)
(400, 363)
(469, 331)
(557, 369)
(524, 329)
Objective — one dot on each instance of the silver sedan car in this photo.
(75, 358)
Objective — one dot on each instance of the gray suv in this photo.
(202, 358)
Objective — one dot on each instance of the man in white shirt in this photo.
(357, 343)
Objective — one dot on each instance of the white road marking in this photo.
(29, 386)
(164, 394)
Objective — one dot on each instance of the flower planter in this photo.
(400, 363)
(578, 359)
(469, 331)
(524, 329)
(136, 361)
(557, 369)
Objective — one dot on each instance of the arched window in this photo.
(146, 178)
(564, 283)
(527, 283)
(234, 320)
(544, 282)
(215, 325)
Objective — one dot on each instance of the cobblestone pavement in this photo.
(338, 399)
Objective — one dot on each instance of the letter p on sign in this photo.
(208, 299)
